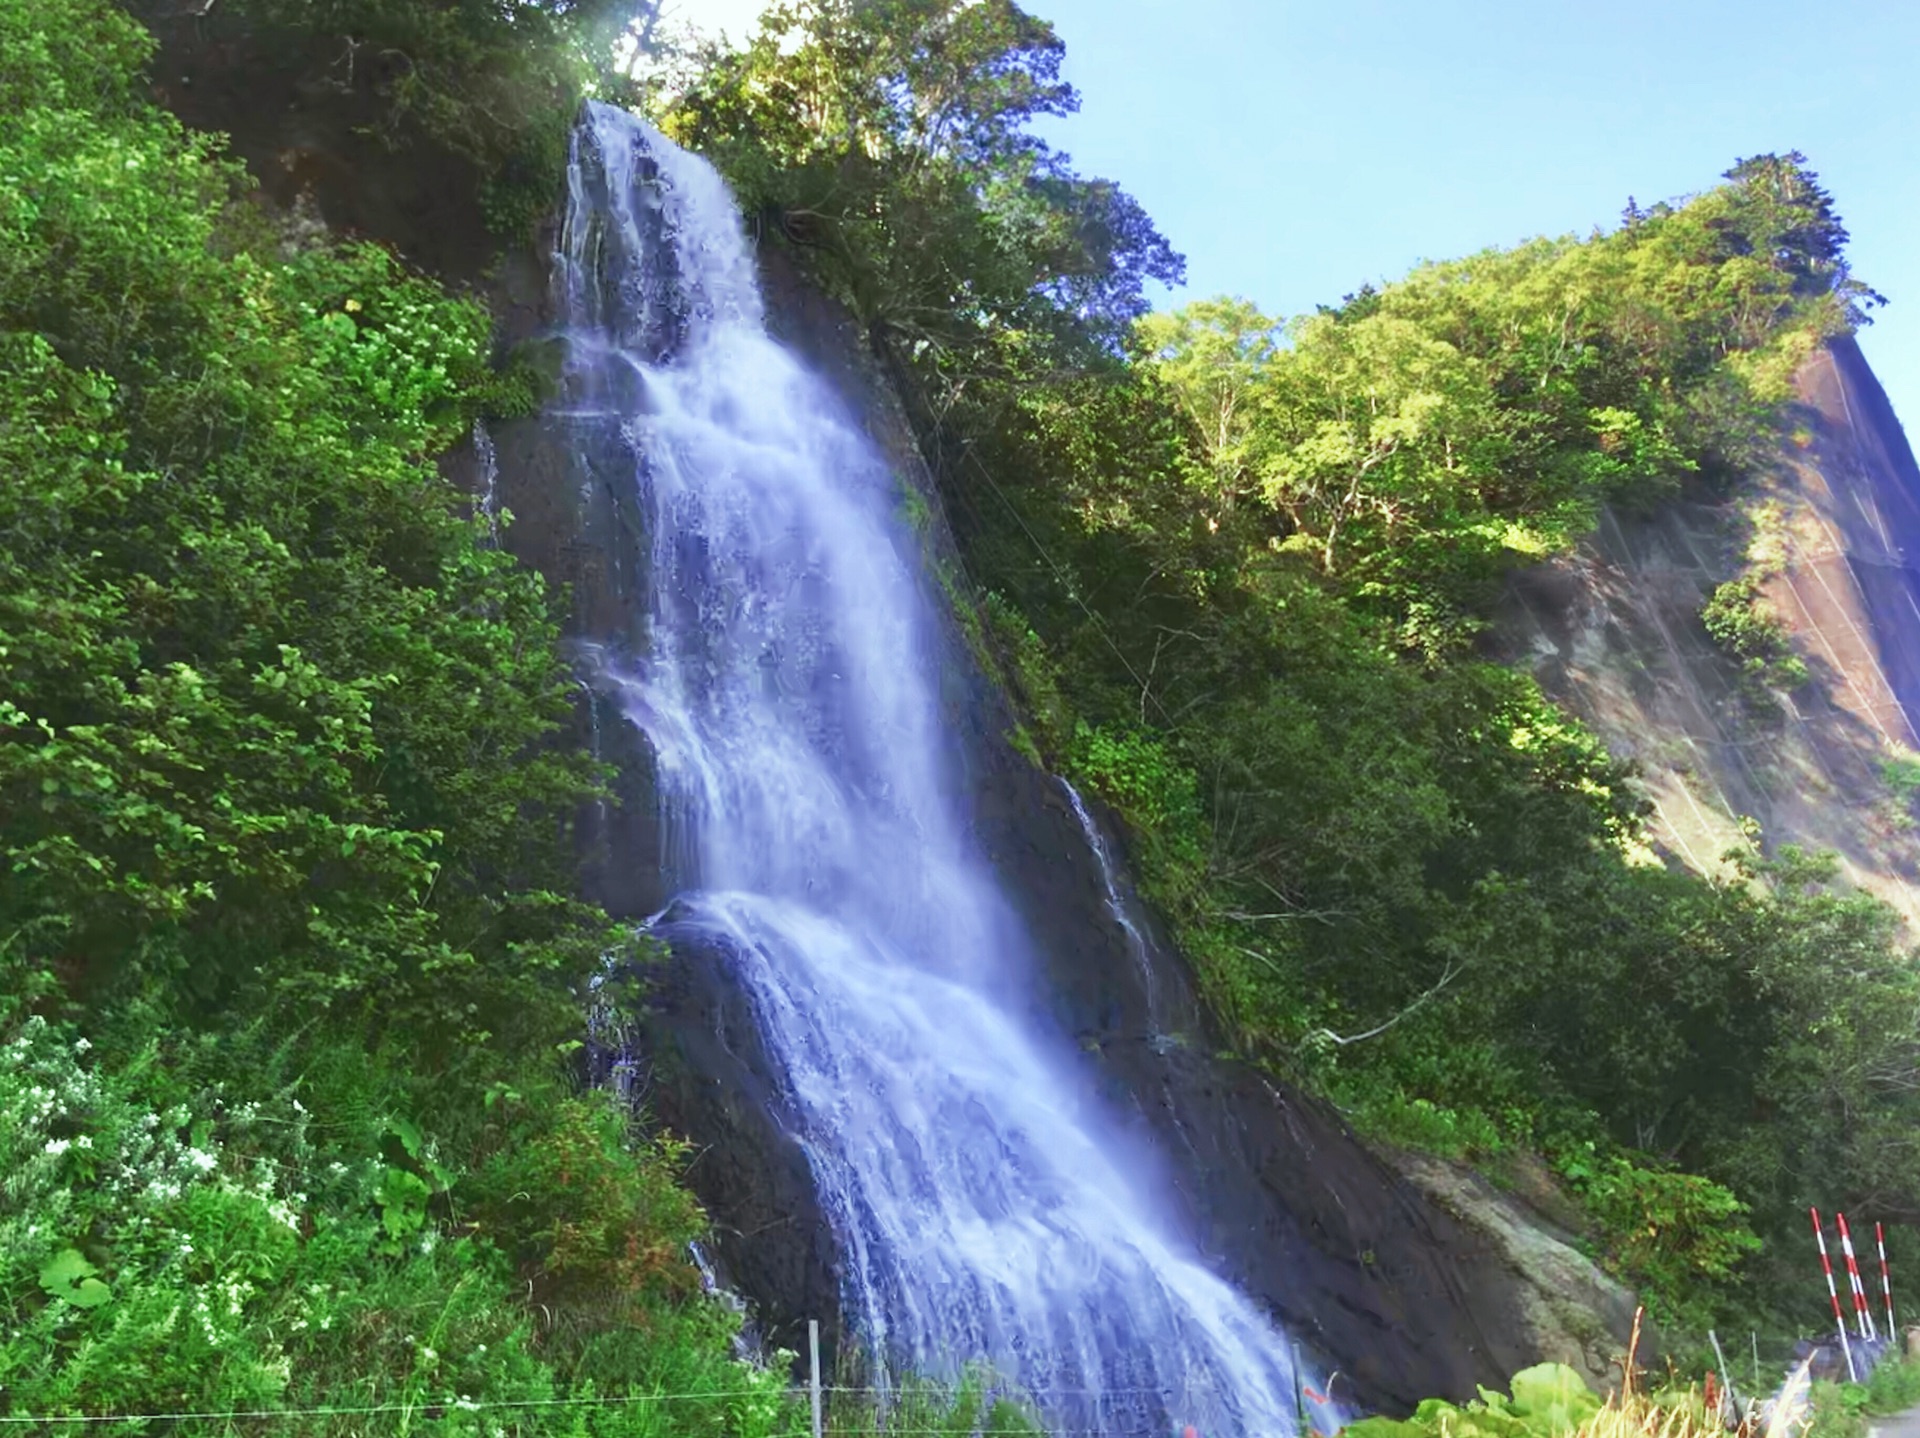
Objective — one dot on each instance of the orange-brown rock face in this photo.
(1614, 632)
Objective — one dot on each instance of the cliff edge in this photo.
(1614, 632)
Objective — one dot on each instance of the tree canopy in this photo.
(892, 139)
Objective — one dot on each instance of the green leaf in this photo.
(1553, 1396)
(69, 1277)
(403, 1202)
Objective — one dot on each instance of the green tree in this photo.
(892, 140)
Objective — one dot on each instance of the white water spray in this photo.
(984, 1207)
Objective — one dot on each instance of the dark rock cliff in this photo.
(1408, 1295)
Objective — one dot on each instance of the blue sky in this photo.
(1294, 150)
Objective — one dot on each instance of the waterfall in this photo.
(489, 461)
(984, 1205)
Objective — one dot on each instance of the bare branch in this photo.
(1448, 977)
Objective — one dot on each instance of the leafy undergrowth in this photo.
(1551, 1400)
(975, 1404)
(208, 1229)
(1894, 1387)
(289, 981)
(1842, 1410)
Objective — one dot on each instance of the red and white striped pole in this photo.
(1862, 1315)
(1833, 1294)
(1886, 1284)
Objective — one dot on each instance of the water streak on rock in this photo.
(1137, 947)
(489, 461)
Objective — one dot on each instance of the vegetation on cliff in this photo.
(290, 969)
(1237, 566)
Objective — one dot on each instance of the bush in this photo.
(176, 1241)
(1743, 622)
(1548, 1400)
(1676, 1236)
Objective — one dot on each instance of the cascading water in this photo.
(1117, 906)
(984, 1206)
(489, 461)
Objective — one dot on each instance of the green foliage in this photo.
(1416, 441)
(1159, 796)
(1137, 774)
(1548, 1400)
(288, 976)
(1745, 623)
(1026, 663)
(1901, 774)
(272, 718)
(604, 1236)
(892, 142)
(1836, 1410)
(1892, 1387)
(1674, 1235)
(308, 1247)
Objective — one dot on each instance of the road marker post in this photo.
(1862, 1315)
(1833, 1295)
(813, 1355)
(1886, 1283)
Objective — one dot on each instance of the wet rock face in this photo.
(708, 1078)
(1405, 1299)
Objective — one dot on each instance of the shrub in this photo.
(1675, 1235)
(1744, 622)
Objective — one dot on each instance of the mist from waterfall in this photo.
(816, 836)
